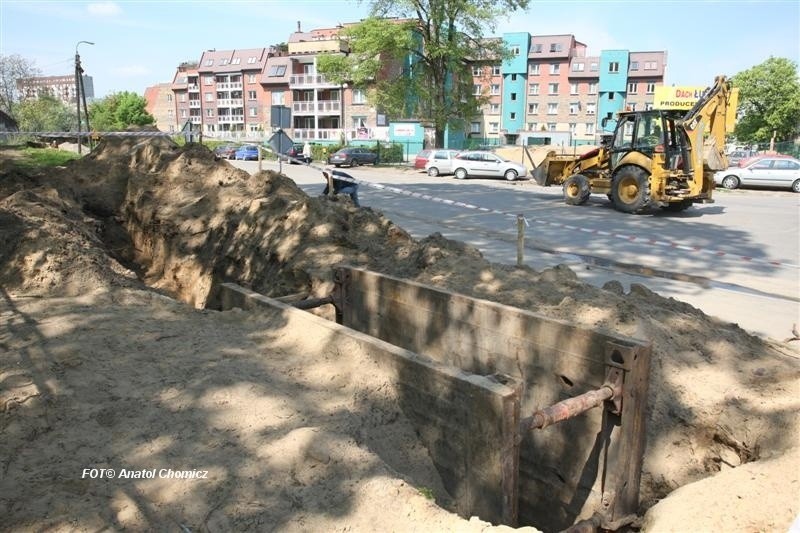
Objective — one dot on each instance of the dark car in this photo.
(295, 154)
(248, 152)
(226, 151)
(353, 157)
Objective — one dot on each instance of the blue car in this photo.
(247, 153)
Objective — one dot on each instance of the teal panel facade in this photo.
(410, 134)
(612, 86)
(515, 71)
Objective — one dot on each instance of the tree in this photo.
(45, 113)
(13, 68)
(418, 64)
(769, 101)
(118, 111)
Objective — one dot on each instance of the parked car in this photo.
(482, 163)
(770, 171)
(422, 159)
(226, 151)
(755, 157)
(440, 162)
(353, 156)
(247, 152)
(295, 154)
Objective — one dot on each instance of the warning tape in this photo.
(540, 222)
(95, 133)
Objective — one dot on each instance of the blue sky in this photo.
(139, 43)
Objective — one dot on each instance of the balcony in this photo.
(318, 46)
(195, 120)
(194, 88)
(310, 80)
(317, 135)
(194, 103)
(227, 86)
(323, 107)
(230, 102)
(231, 119)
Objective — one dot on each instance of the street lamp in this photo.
(79, 91)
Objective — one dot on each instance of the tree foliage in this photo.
(415, 56)
(45, 113)
(13, 68)
(118, 111)
(769, 101)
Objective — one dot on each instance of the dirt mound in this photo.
(189, 223)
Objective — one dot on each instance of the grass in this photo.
(36, 159)
(426, 492)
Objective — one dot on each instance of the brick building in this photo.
(59, 87)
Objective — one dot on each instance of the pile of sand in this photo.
(184, 223)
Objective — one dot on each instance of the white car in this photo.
(765, 171)
(440, 162)
(486, 164)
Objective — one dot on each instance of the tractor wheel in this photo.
(576, 189)
(630, 189)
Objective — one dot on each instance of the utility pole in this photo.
(80, 91)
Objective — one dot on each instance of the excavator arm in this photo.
(706, 124)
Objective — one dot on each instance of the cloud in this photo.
(104, 9)
(131, 71)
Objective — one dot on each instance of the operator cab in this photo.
(651, 133)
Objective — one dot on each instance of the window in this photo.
(590, 108)
(494, 127)
(209, 97)
(496, 70)
(253, 111)
(251, 78)
(209, 112)
(648, 107)
(182, 98)
(224, 61)
(632, 106)
(537, 49)
(555, 68)
(169, 97)
(589, 128)
(552, 88)
(251, 60)
(532, 126)
(533, 88)
(515, 50)
(476, 90)
(555, 47)
(236, 61)
(183, 113)
(650, 65)
(651, 88)
(495, 89)
(633, 87)
(208, 80)
(534, 70)
(573, 127)
(170, 113)
(573, 88)
(278, 98)
(611, 96)
(513, 97)
(577, 67)
(574, 107)
(359, 97)
(533, 109)
(551, 126)
(593, 66)
(475, 127)
(477, 71)
(494, 108)
(209, 62)
(613, 66)
(512, 116)
(251, 95)
(276, 70)
(634, 65)
(592, 88)
(513, 77)
(552, 108)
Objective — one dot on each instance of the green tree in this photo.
(13, 68)
(45, 113)
(769, 101)
(118, 111)
(418, 64)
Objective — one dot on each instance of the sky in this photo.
(140, 43)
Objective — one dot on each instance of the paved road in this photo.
(737, 259)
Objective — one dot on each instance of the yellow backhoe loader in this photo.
(658, 157)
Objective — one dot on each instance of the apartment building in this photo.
(160, 102)
(59, 87)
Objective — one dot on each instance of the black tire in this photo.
(460, 174)
(354, 163)
(730, 182)
(677, 207)
(576, 189)
(796, 186)
(630, 189)
(433, 172)
(510, 174)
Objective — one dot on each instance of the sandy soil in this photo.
(104, 365)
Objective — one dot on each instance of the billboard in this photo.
(684, 97)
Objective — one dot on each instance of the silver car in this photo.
(763, 172)
(440, 162)
(486, 164)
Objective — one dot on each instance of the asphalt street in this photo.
(737, 259)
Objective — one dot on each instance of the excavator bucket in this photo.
(551, 170)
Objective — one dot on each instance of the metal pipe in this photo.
(311, 303)
(568, 408)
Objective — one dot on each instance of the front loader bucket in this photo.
(550, 171)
